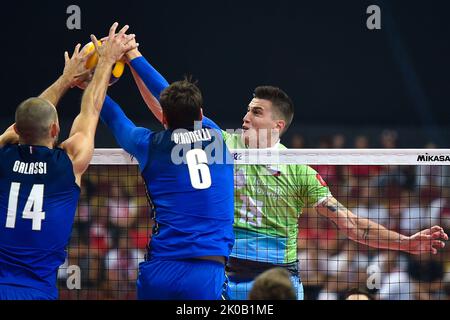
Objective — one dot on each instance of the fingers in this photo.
(66, 57)
(436, 229)
(130, 46)
(84, 74)
(95, 42)
(438, 232)
(437, 244)
(112, 30)
(123, 30)
(76, 50)
(129, 39)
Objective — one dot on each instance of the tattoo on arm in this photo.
(335, 207)
(366, 233)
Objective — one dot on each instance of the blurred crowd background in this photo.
(113, 227)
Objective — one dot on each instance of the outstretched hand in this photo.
(115, 45)
(75, 70)
(426, 241)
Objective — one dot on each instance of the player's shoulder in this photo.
(159, 137)
(8, 147)
(233, 140)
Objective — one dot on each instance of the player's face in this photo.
(259, 127)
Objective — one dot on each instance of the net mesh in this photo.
(399, 189)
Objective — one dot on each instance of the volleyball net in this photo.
(405, 190)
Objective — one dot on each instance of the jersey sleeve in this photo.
(154, 81)
(134, 140)
(312, 188)
(207, 122)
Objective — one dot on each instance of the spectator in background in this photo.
(369, 206)
(420, 211)
(388, 139)
(395, 282)
(361, 142)
(99, 233)
(297, 142)
(358, 294)
(83, 215)
(338, 141)
(140, 233)
(345, 269)
(317, 237)
(360, 175)
(329, 173)
(273, 284)
(122, 209)
(122, 265)
(325, 142)
(427, 272)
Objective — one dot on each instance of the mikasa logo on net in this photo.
(433, 158)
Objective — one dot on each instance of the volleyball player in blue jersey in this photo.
(192, 195)
(40, 183)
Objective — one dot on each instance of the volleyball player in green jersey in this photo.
(270, 198)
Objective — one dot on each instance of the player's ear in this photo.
(280, 125)
(164, 120)
(15, 129)
(54, 130)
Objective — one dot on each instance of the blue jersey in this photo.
(38, 200)
(192, 194)
(193, 201)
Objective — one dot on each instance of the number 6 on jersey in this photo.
(197, 162)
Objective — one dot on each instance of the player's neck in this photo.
(48, 144)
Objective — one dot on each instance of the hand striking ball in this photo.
(91, 63)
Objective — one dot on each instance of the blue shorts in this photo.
(192, 279)
(23, 293)
(240, 290)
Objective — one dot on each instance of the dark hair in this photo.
(358, 291)
(283, 108)
(273, 284)
(181, 103)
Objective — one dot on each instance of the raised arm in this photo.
(132, 139)
(365, 231)
(74, 73)
(9, 137)
(148, 80)
(80, 144)
(151, 83)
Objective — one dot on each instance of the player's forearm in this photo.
(95, 93)
(374, 235)
(151, 102)
(361, 230)
(9, 137)
(56, 90)
(152, 79)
